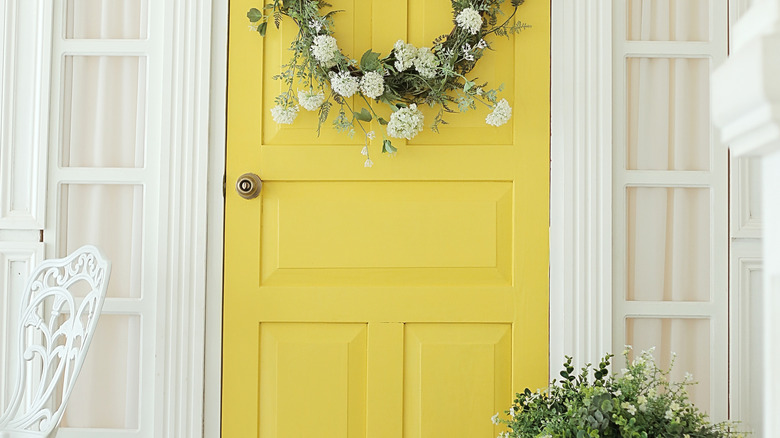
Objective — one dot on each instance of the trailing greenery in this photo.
(642, 402)
(321, 78)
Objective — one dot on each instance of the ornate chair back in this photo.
(60, 309)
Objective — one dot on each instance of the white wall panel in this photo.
(17, 260)
(24, 109)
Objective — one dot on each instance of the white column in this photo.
(746, 106)
(581, 183)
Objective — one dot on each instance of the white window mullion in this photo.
(131, 316)
(664, 197)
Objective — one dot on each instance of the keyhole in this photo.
(248, 186)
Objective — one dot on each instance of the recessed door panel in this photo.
(386, 233)
(456, 377)
(313, 380)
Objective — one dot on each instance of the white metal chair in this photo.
(55, 329)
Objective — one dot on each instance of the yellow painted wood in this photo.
(459, 376)
(373, 296)
(314, 380)
(384, 395)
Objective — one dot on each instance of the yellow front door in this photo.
(409, 299)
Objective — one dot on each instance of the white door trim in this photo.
(212, 407)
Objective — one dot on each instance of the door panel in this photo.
(408, 299)
(457, 375)
(386, 233)
(313, 379)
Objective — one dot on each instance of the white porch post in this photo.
(746, 106)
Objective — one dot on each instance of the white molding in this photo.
(745, 298)
(745, 96)
(745, 220)
(184, 175)
(12, 281)
(212, 420)
(581, 182)
(25, 36)
(746, 105)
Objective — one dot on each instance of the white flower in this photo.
(674, 406)
(284, 116)
(316, 25)
(688, 377)
(425, 63)
(311, 100)
(364, 151)
(618, 393)
(370, 135)
(467, 52)
(405, 123)
(404, 55)
(343, 83)
(512, 412)
(629, 377)
(479, 91)
(372, 85)
(324, 50)
(631, 409)
(500, 115)
(368, 163)
(494, 419)
(481, 44)
(470, 20)
(669, 414)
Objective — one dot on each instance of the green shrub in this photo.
(641, 402)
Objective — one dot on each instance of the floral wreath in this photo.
(407, 77)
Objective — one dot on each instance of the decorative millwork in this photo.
(55, 332)
(404, 79)
(745, 101)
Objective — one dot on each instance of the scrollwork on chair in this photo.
(55, 331)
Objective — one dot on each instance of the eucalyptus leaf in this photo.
(382, 121)
(261, 28)
(387, 147)
(370, 61)
(363, 115)
(254, 15)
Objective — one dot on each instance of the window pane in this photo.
(668, 20)
(668, 110)
(688, 338)
(106, 391)
(106, 19)
(104, 101)
(668, 253)
(109, 217)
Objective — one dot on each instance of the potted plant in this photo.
(640, 402)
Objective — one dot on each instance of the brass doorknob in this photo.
(249, 185)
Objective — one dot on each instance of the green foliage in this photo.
(387, 147)
(640, 403)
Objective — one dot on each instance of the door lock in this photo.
(249, 185)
